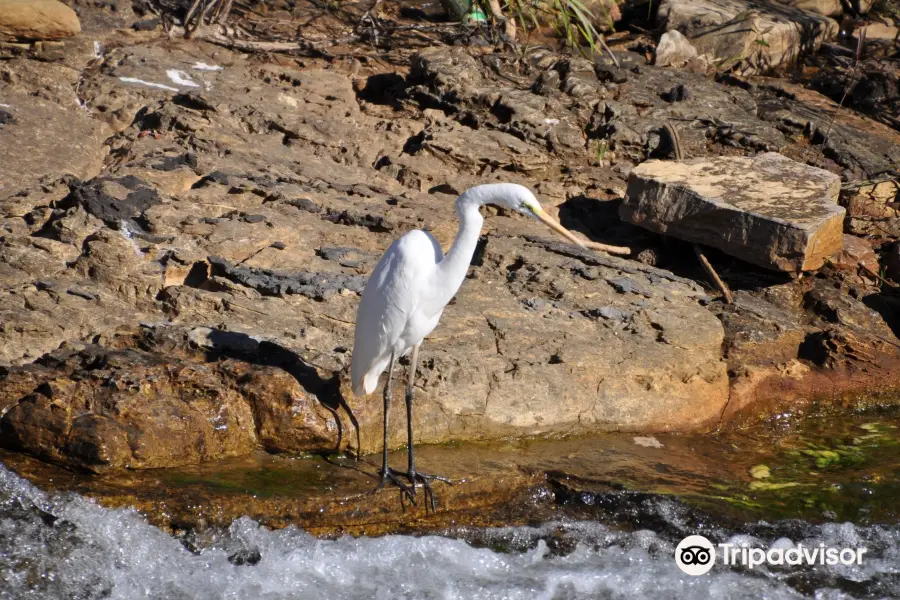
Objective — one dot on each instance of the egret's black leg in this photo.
(411, 473)
(410, 390)
(386, 473)
(388, 392)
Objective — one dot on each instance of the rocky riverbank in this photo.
(186, 229)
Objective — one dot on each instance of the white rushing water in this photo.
(65, 546)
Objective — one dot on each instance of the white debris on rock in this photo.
(161, 86)
(647, 441)
(181, 78)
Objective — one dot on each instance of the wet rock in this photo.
(767, 210)
(762, 37)
(759, 332)
(673, 49)
(37, 20)
(104, 409)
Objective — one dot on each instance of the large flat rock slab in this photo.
(766, 209)
(760, 35)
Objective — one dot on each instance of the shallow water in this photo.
(65, 546)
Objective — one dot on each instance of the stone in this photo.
(673, 49)
(46, 141)
(881, 31)
(248, 227)
(766, 209)
(828, 8)
(760, 37)
(37, 20)
(856, 254)
(872, 210)
(102, 409)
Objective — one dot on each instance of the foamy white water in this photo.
(65, 546)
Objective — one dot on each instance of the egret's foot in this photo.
(388, 474)
(425, 479)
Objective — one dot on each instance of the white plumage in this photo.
(406, 294)
(394, 313)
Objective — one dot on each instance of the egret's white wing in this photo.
(389, 300)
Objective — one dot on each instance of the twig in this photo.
(607, 248)
(674, 140)
(608, 51)
(729, 298)
(226, 36)
(860, 44)
(884, 281)
(704, 262)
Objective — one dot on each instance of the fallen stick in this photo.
(678, 151)
(729, 298)
(607, 248)
(224, 36)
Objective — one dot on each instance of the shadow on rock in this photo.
(240, 346)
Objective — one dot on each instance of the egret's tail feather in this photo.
(366, 384)
(370, 381)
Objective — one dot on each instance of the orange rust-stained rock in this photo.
(106, 409)
(37, 20)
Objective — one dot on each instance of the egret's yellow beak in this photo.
(554, 225)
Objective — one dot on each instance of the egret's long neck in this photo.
(453, 268)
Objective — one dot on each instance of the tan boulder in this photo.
(766, 209)
(37, 20)
(829, 8)
(762, 38)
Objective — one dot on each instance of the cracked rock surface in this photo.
(188, 256)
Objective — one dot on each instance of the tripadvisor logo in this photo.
(696, 555)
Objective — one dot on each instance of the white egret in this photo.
(405, 296)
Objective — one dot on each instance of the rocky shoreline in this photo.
(186, 229)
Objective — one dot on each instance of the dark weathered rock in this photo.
(314, 285)
(767, 210)
(117, 200)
